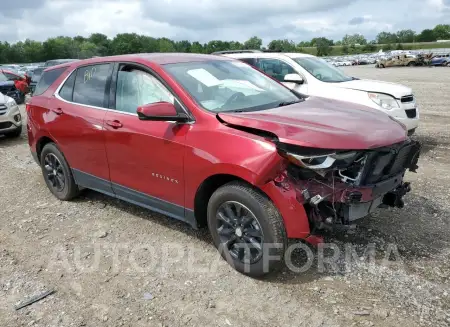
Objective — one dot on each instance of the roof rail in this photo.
(235, 51)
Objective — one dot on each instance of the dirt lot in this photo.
(115, 264)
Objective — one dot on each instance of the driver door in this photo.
(146, 158)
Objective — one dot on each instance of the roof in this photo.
(267, 55)
(159, 58)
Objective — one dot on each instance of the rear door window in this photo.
(91, 85)
(47, 79)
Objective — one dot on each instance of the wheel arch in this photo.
(206, 190)
(44, 140)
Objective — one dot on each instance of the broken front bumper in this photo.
(332, 199)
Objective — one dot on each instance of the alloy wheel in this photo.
(240, 232)
(54, 172)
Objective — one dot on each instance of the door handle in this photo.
(57, 111)
(114, 123)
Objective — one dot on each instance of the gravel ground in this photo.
(115, 264)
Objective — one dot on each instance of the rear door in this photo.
(75, 120)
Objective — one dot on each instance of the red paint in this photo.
(323, 123)
(170, 161)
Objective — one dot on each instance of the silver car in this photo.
(10, 118)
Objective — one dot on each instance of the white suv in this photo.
(10, 118)
(313, 76)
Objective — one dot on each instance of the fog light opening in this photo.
(17, 118)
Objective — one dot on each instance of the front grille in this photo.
(407, 98)
(388, 162)
(3, 109)
(411, 113)
(5, 125)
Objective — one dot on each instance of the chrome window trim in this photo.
(57, 96)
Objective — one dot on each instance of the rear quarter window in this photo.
(47, 79)
(91, 85)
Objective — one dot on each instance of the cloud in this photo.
(356, 21)
(205, 20)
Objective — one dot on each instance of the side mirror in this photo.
(293, 78)
(160, 111)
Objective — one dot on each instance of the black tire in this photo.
(69, 189)
(381, 66)
(267, 221)
(16, 133)
(410, 64)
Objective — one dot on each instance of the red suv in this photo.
(212, 141)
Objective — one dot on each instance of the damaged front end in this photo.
(339, 187)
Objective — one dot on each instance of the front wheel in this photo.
(247, 229)
(412, 63)
(57, 174)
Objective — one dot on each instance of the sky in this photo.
(205, 20)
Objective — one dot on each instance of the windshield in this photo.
(322, 70)
(222, 85)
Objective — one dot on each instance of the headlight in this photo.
(321, 161)
(384, 101)
(10, 102)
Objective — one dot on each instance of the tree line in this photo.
(99, 44)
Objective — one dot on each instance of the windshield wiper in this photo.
(287, 103)
(234, 110)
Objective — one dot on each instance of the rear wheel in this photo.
(381, 66)
(57, 174)
(247, 229)
(412, 63)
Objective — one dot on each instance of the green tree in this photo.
(253, 43)
(399, 46)
(442, 32)
(426, 35)
(33, 51)
(354, 39)
(102, 42)
(183, 46)
(345, 49)
(386, 38)
(323, 46)
(282, 45)
(166, 45)
(304, 44)
(196, 47)
(406, 36)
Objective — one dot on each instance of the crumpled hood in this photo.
(324, 123)
(397, 90)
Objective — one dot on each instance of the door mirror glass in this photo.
(160, 111)
(293, 78)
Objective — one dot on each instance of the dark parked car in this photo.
(14, 85)
(211, 141)
(35, 77)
